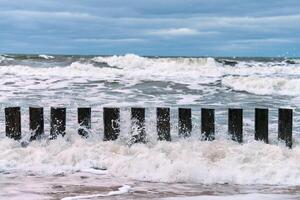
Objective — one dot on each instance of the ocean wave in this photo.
(72, 70)
(210, 67)
(134, 72)
(250, 76)
(135, 61)
(187, 70)
(46, 56)
(219, 161)
(264, 85)
(2, 58)
(139, 62)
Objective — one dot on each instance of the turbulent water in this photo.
(72, 166)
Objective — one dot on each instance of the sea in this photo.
(72, 167)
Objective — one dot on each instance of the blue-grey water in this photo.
(72, 166)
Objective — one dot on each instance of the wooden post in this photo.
(84, 121)
(285, 126)
(235, 124)
(13, 122)
(111, 121)
(261, 124)
(208, 123)
(36, 122)
(185, 122)
(138, 125)
(58, 122)
(163, 123)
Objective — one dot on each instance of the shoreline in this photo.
(105, 186)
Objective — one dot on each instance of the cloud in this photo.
(35, 15)
(259, 44)
(110, 40)
(190, 27)
(266, 40)
(173, 32)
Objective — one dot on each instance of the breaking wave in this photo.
(264, 85)
(46, 56)
(146, 80)
(220, 161)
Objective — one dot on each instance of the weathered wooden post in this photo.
(285, 126)
(235, 124)
(138, 125)
(58, 122)
(111, 121)
(13, 122)
(163, 123)
(208, 123)
(261, 124)
(84, 121)
(185, 122)
(36, 122)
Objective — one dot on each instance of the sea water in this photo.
(71, 167)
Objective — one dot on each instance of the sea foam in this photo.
(122, 190)
(220, 161)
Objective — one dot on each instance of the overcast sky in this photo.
(151, 27)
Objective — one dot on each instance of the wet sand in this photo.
(32, 186)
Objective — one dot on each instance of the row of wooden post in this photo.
(111, 120)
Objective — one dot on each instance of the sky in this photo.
(151, 27)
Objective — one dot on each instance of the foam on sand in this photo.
(122, 190)
(238, 197)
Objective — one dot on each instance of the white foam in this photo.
(122, 190)
(3, 58)
(76, 69)
(264, 85)
(94, 171)
(220, 161)
(46, 56)
(185, 71)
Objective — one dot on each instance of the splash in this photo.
(221, 161)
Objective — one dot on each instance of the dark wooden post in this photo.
(235, 124)
(58, 122)
(261, 124)
(84, 121)
(163, 123)
(285, 126)
(36, 122)
(185, 122)
(13, 122)
(138, 125)
(111, 121)
(208, 123)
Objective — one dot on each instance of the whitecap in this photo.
(46, 56)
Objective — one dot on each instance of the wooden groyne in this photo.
(111, 122)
